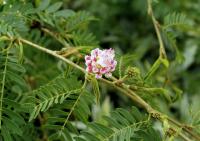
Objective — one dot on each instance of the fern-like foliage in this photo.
(64, 119)
(122, 125)
(54, 92)
(62, 99)
(67, 26)
(83, 38)
(174, 19)
(170, 39)
(10, 70)
(78, 21)
(50, 15)
(14, 17)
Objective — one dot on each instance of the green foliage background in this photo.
(44, 98)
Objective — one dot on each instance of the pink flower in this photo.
(101, 62)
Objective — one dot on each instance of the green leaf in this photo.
(148, 134)
(78, 21)
(79, 139)
(15, 78)
(121, 125)
(174, 19)
(43, 5)
(21, 51)
(56, 91)
(15, 116)
(83, 38)
(153, 69)
(76, 105)
(6, 135)
(12, 126)
(171, 41)
(54, 7)
(16, 67)
(136, 114)
(101, 129)
(34, 113)
(64, 13)
(89, 136)
(12, 103)
(96, 90)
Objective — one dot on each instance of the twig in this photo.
(184, 137)
(156, 26)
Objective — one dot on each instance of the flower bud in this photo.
(132, 72)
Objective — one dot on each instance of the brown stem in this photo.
(184, 128)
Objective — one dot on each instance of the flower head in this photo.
(101, 62)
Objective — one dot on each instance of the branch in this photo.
(53, 53)
(123, 87)
(185, 128)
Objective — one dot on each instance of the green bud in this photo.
(132, 72)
